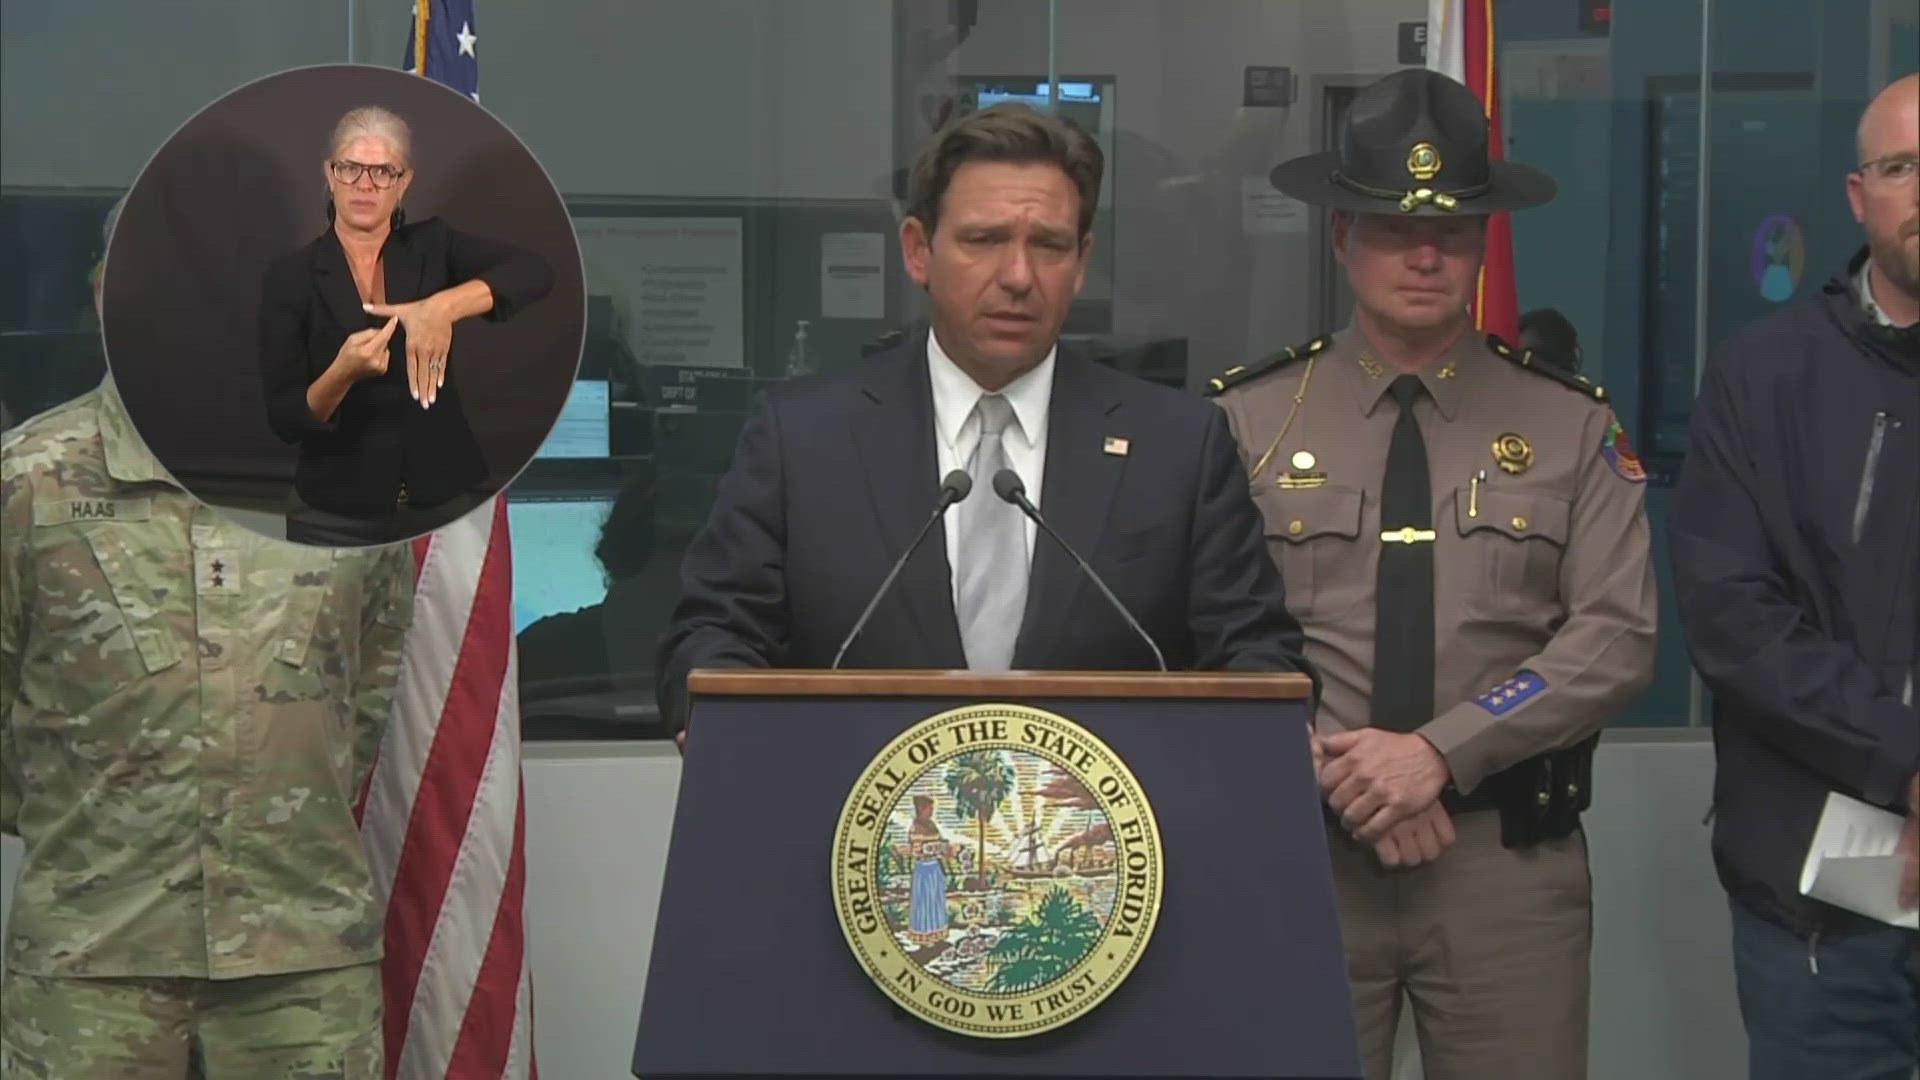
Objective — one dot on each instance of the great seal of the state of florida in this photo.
(997, 870)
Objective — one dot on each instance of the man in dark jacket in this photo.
(1796, 548)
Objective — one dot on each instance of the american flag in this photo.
(1460, 46)
(444, 817)
(448, 27)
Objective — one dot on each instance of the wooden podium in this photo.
(751, 975)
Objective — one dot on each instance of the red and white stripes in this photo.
(444, 819)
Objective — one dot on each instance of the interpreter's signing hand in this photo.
(1910, 847)
(364, 354)
(1419, 839)
(429, 329)
(1374, 778)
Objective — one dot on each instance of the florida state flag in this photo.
(1460, 46)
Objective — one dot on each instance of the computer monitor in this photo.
(554, 568)
(1088, 101)
(582, 430)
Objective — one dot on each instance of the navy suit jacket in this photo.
(834, 474)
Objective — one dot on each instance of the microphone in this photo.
(1007, 485)
(957, 486)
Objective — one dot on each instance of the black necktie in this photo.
(1403, 632)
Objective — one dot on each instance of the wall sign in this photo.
(1267, 87)
(1413, 43)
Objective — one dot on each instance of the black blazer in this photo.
(379, 438)
(834, 474)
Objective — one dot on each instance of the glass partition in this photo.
(734, 169)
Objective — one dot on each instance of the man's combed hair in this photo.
(1011, 132)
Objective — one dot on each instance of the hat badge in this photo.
(1423, 161)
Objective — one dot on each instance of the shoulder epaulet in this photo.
(1540, 365)
(1234, 376)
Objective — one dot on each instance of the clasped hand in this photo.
(1385, 787)
(429, 329)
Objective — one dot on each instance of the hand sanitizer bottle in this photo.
(798, 362)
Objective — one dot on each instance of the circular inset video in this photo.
(343, 305)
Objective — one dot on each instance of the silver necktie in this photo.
(991, 565)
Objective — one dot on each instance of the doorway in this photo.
(1333, 297)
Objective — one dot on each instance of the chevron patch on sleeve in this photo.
(1511, 694)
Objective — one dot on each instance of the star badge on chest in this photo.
(1514, 453)
(218, 572)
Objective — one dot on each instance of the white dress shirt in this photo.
(957, 430)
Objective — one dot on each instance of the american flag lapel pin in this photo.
(1116, 446)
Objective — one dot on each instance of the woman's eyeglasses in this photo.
(349, 172)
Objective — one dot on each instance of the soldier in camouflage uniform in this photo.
(187, 713)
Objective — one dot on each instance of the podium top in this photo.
(776, 682)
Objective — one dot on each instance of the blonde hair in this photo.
(378, 122)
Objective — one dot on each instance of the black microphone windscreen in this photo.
(958, 485)
(1007, 485)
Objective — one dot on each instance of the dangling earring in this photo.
(399, 217)
(329, 211)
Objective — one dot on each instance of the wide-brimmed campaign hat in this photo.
(1414, 143)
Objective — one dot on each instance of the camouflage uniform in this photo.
(187, 713)
(314, 1024)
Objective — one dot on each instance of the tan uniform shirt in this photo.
(1544, 595)
(187, 711)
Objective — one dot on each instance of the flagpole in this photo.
(1702, 235)
(1486, 106)
(420, 37)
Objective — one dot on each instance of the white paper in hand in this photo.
(1854, 863)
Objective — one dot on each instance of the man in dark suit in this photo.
(835, 474)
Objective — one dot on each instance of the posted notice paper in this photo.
(1854, 863)
(852, 281)
(678, 285)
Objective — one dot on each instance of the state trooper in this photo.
(1462, 532)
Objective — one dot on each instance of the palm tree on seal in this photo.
(980, 780)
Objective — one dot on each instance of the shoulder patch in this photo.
(1619, 453)
(1540, 365)
(1234, 376)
